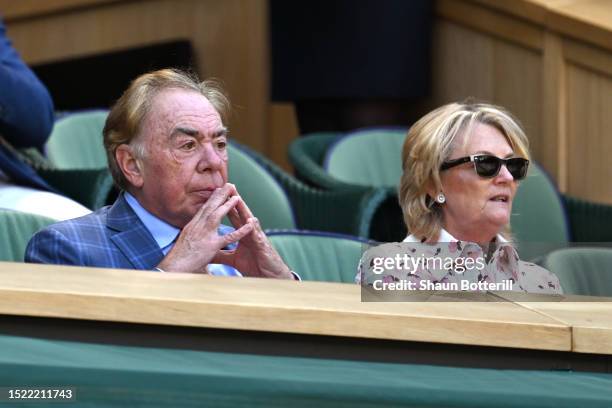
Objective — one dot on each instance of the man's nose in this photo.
(210, 158)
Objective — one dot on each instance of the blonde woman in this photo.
(462, 164)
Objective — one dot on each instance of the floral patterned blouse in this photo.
(413, 261)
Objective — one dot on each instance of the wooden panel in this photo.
(591, 322)
(589, 138)
(534, 11)
(587, 20)
(283, 129)
(12, 10)
(491, 22)
(553, 148)
(471, 64)
(518, 87)
(462, 64)
(266, 305)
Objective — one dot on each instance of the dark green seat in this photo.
(76, 162)
(582, 271)
(123, 376)
(545, 224)
(262, 193)
(369, 157)
(589, 221)
(539, 222)
(348, 212)
(319, 256)
(309, 155)
(16, 229)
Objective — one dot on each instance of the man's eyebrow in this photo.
(220, 133)
(195, 133)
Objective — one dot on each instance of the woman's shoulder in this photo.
(535, 279)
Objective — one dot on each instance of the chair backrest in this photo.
(306, 154)
(264, 196)
(16, 229)
(76, 141)
(539, 222)
(582, 271)
(369, 157)
(319, 256)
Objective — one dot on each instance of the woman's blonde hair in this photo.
(429, 143)
(127, 115)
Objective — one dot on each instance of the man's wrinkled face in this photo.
(186, 155)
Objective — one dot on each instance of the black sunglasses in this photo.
(488, 166)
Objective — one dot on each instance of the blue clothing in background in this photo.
(26, 115)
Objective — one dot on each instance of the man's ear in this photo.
(129, 165)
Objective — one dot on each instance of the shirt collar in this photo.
(163, 233)
(445, 236)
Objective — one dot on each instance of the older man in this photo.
(167, 149)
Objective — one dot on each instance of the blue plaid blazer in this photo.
(112, 237)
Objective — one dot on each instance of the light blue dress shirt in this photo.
(165, 235)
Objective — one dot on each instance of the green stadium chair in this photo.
(347, 212)
(352, 162)
(16, 229)
(319, 256)
(369, 157)
(582, 271)
(262, 193)
(538, 222)
(307, 154)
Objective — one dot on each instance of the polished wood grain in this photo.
(553, 148)
(589, 143)
(590, 321)
(12, 10)
(470, 64)
(267, 305)
(283, 128)
(491, 22)
(586, 20)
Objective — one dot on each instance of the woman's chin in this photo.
(499, 222)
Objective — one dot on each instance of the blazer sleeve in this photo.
(51, 246)
(26, 108)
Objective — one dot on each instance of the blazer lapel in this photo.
(132, 237)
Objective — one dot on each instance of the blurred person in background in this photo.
(26, 120)
(347, 64)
